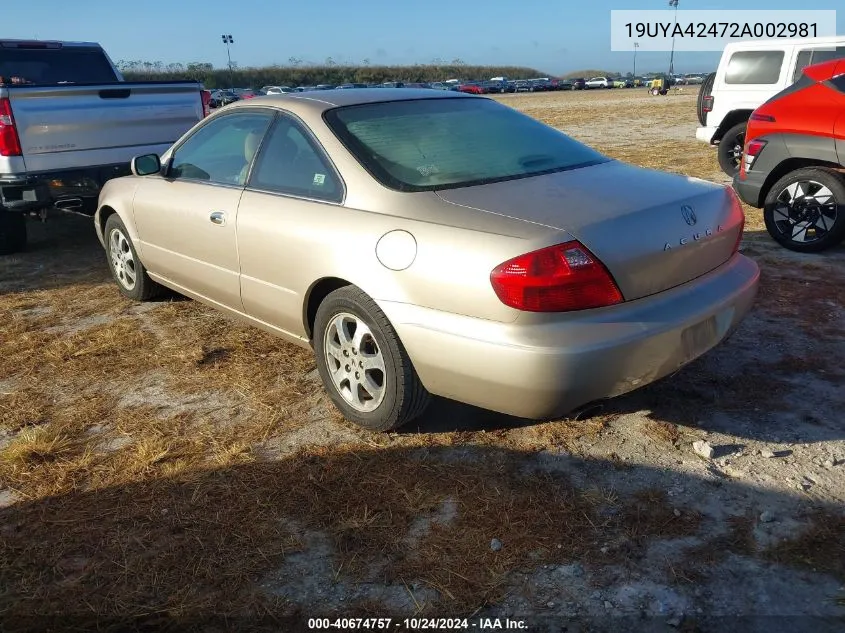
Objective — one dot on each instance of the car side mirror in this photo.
(145, 165)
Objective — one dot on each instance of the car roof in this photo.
(324, 100)
(783, 43)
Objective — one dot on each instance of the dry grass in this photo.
(196, 540)
(663, 432)
(811, 296)
(699, 561)
(820, 547)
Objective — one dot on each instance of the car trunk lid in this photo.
(652, 230)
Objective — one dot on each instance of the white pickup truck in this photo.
(69, 122)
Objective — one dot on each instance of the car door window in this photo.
(754, 67)
(222, 150)
(820, 56)
(291, 162)
(801, 63)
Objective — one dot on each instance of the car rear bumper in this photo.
(20, 193)
(543, 366)
(749, 190)
(705, 134)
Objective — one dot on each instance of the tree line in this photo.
(302, 74)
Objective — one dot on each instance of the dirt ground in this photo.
(163, 466)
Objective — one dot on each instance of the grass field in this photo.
(160, 464)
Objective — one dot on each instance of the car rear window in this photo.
(754, 67)
(809, 57)
(426, 144)
(52, 66)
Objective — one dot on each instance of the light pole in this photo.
(227, 40)
(636, 46)
(673, 3)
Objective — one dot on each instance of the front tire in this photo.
(364, 366)
(730, 149)
(12, 232)
(125, 265)
(805, 211)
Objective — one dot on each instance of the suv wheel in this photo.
(805, 210)
(730, 149)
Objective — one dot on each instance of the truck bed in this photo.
(73, 137)
(70, 126)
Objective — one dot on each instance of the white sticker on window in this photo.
(319, 179)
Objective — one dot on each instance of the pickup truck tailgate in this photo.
(66, 126)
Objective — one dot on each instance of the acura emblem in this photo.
(689, 214)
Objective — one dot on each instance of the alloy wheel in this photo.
(805, 211)
(355, 362)
(122, 260)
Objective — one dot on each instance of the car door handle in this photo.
(218, 217)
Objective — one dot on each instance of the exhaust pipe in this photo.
(69, 204)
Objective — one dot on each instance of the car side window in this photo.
(839, 83)
(822, 55)
(754, 67)
(291, 162)
(222, 150)
(801, 63)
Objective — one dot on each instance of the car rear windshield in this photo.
(50, 66)
(426, 144)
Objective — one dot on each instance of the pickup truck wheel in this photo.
(364, 366)
(730, 149)
(805, 210)
(126, 268)
(12, 232)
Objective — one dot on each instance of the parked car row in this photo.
(497, 85)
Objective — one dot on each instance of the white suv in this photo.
(749, 74)
(276, 90)
(599, 82)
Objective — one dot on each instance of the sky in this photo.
(543, 34)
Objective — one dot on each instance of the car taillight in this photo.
(10, 144)
(205, 96)
(559, 278)
(707, 104)
(752, 151)
(737, 207)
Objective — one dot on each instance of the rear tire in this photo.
(389, 393)
(126, 268)
(730, 149)
(12, 232)
(805, 210)
(705, 91)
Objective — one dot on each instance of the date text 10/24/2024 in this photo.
(416, 624)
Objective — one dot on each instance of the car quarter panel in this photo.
(287, 244)
(778, 149)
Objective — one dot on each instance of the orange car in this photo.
(792, 160)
